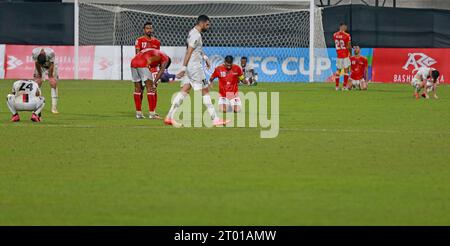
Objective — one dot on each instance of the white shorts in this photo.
(32, 105)
(195, 77)
(356, 82)
(343, 63)
(141, 74)
(45, 72)
(231, 102)
(416, 83)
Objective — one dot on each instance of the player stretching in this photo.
(140, 73)
(44, 59)
(144, 42)
(359, 70)
(25, 96)
(193, 75)
(342, 41)
(229, 75)
(249, 72)
(420, 81)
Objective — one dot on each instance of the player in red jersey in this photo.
(358, 70)
(144, 42)
(229, 75)
(140, 73)
(342, 41)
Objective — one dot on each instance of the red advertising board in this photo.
(399, 65)
(20, 65)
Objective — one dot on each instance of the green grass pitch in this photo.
(341, 158)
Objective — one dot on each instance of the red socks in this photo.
(138, 101)
(152, 100)
(345, 80)
(337, 81)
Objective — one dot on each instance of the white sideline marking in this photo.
(384, 131)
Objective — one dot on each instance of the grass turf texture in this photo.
(341, 158)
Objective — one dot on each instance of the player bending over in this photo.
(44, 59)
(425, 78)
(25, 96)
(193, 74)
(359, 70)
(140, 73)
(229, 75)
(249, 72)
(342, 41)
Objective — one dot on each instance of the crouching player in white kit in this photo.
(25, 96)
(425, 78)
(193, 74)
(44, 59)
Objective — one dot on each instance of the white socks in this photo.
(39, 106)
(10, 104)
(210, 107)
(177, 101)
(54, 92)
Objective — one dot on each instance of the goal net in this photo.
(280, 38)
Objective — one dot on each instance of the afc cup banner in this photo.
(20, 65)
(275, 64)
(399, 65)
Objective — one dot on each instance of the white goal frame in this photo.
(312, 9)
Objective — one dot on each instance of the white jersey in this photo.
(25, 90)
(247, 70)
(423, 73)
(195, 41)
(49, 55)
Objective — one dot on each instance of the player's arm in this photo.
(38, 68)
(366, 73)
(137, 46)
(214, 75)
(162, 68)
(187, 57)
(50, 70)
(349, 47)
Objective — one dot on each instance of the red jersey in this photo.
(148, 58)
(228, 80)
(341, 39)
(145, 42)
(358, 67)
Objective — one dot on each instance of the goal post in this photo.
(292, 30)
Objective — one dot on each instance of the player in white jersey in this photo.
(425, 78)
(192, 73)
(44, 60)
(25, 96)
(249, 72)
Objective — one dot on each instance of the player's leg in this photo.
(210, 107)
(363, 85)
(416, 84)
(337, 75)
(137, 94)
(11, 106)
(39, 105)
(346, 65)
(223, 104)
(177, 101)
(236, 104)
(350, 84)
(152, 97)
(52, 78)
(37, 77)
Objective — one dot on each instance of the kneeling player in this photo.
(229, 75)
(25, 96)
(358, 70)
(141, 73)
(420, 81)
